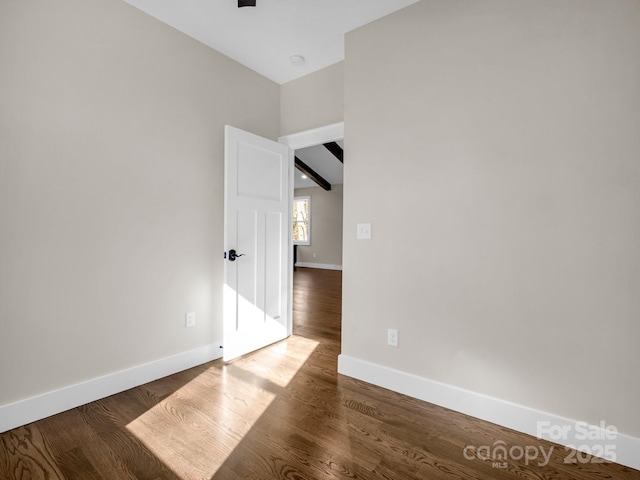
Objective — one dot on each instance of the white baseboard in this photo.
(324, 266)
(41, 406)
(516, 417)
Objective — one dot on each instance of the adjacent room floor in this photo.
(280, 413)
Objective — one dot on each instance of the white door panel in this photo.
(259, 173)
(273, 267)
(257, 190)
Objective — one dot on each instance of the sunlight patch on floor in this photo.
(280, 362)
(202, 422)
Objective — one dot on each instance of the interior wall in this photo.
(326, 226)
(495, 144)
(111, 188)
(313, 101)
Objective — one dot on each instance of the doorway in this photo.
(328, 278)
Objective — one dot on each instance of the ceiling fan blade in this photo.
(246, 3)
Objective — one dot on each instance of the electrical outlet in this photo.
(190, 319)
(392, 337)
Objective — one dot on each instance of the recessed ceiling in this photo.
(265, 37)
(321, 161)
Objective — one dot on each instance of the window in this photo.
(302, 221)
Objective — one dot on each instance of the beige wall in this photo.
(312, 101)
(496, 143)
(326, 226)
(111, 158)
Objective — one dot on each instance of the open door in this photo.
(256, 242)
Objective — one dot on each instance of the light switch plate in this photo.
(364, 231)
(392, 337)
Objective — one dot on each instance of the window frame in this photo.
(308, 220)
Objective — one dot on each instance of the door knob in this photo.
(233, 255)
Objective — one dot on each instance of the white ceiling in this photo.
(321, 161)
(264, 37)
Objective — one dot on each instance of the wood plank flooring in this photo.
(279, 413)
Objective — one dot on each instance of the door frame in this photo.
(295, 141)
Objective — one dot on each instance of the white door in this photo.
(256, 226)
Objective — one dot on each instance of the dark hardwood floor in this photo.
(279, 413)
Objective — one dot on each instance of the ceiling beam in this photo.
(336, 149)
(312, 174)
